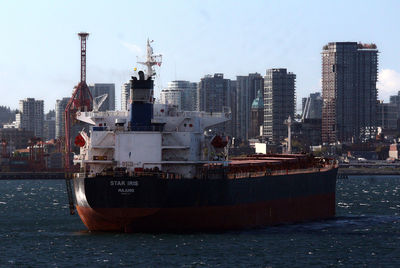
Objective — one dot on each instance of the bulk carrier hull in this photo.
(154, 204)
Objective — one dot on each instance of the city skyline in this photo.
(42, 59)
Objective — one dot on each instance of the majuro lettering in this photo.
(131, 190)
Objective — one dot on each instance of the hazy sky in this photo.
(40, 57)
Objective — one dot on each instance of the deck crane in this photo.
(81, 101)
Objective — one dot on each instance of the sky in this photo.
(40, 49)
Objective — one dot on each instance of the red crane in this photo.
(81, 100)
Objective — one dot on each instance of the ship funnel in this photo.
(141, 75)
(141, 111)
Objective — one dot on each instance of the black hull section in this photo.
(154, 204)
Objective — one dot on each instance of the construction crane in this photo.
(81, 101)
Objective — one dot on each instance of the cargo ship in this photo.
(155, 168)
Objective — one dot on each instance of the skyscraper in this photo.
(312, 106)
(99, 89)
(279, 103)
(246, 91)
(49, 129)
(60, 118)
(189, 97)
(125, 95)
(213, 94)
(349, 75)
(183, 94)
(386, 116)
(32, 116)
(171, 97)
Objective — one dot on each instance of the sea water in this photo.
(36, 230)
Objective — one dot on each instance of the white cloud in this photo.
(388, 83)
(133, 48)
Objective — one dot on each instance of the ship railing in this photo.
(200, 114)
(103, 114)
(161, 175)
(241, 175)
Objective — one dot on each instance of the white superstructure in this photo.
(179, 147)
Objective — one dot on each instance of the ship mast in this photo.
(151, 59)
(142, 93)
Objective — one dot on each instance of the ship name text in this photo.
(124, 183)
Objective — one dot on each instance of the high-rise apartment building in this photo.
(60, 117)
(183, 94)
(171, 97)
(312, 106)
(125, 96)
(32, 116)
(245, 93)
(49, 129)
(279, 103)
(189, 96)
(387, 116)
(349, 75)
(99, 89)
(214, 94)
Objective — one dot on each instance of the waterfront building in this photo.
(16, 138)
(98, 89)
(279, 103)
(349, 75)
(32, 116)
(16, 123)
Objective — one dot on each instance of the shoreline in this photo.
(32, 175)
(369, 171)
